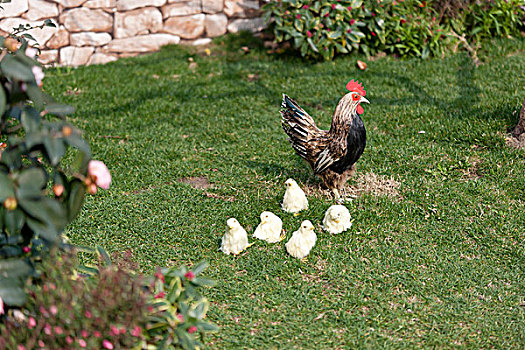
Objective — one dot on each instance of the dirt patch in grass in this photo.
(198, 182)
(376, 185)
(513, 142)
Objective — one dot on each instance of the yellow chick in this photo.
(302, 241)
(235, 240)
(294, 198)
(336, 219)
(270, 228)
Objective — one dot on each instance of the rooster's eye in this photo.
(355, 97)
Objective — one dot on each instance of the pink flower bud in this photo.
(298, 16)
(31, 323)
(26, 249)
(53, 309)
(69, 340)
(97, 334)
(114, 330)
(352, 21)
(82, 343)
(88, 314)
(136, 332)
(58, 330)
(309, 33)
(192, 329)
(160, 295)
(333, 6)
(107, 344)
(100, 174)
(84, 333)
(189, 275)
(306, 7)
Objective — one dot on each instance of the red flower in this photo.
(373, 34)
(433, 19)
(373, 14)
(136, 332)
(160, 276)
(327, 14)
(349, 30)
(403, 21)
(349, 8)
(422, 4)
(306, 7)
(97, 334)
(333, 6)
(192, 329)
(327, 29)
(309, 33)
(352, 21)
(298, 16)
(160, 295)
(189, 275)
(88, 314)
(26, 249)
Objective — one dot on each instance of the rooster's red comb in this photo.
(355, 86)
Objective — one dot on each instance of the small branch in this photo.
(469, 48)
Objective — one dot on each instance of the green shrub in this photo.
(321, 29)
(65, 310)
(178, 309)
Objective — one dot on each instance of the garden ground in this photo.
(190, 143)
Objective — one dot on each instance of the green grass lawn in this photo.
(440, 265)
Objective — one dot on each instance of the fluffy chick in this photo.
(270, 228)
(302, 241)
(235, 240)
(294, 198)
(337, 219)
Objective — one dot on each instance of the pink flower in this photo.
(298, 16)
(31, 323)
(333, 6)
(373, 14)
(394, 3)
(88, 314)
(69, 340)
(41, 343)
(39, 74)
(20, 347)
(192, 329)
(309, 33)
(349, 30)
(373, 34)
(31, 52)
(160, 295)
(136, 332)
(107, 344)
(26, 249)
(100, 173)
(352, 21)
(96, 334)
(53, 309)
(306, 7)
(58, 330)
(47, 329)
(349, 8)
(82, 343)
(180, 317)
(84, 333)
(433, 19)
(114, 330)
(189, 275)
(1, 306)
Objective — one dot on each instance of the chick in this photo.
(235, 240)
(270, 228)
(302, 241)
(294, 198)
(336, 219)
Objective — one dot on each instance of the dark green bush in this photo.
(321, 29)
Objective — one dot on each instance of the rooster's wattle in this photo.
(332, 154)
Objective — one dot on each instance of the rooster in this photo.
(332, 154)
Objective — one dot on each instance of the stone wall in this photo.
(100, 31)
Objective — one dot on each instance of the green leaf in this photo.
(199, 267)
(76, 197)
(30, 119)
(14, 220)
(15, 69)
(31, 183)
(3, 100)
(46, 217)
(55, 149)
(12, 291)
(104, 255)
(312, 45)
(7, 187)
(35, 95)
(60, 110)
(203, 282)
(206, 326)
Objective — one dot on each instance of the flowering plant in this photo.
(323, 28)
(40, 194)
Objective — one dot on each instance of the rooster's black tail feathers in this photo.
(298, 125)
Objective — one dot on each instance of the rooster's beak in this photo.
(364, 100)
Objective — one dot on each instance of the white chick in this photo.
(302, 241)
(235, 240)
(270, 228)
(336, 219)
(294, 198)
